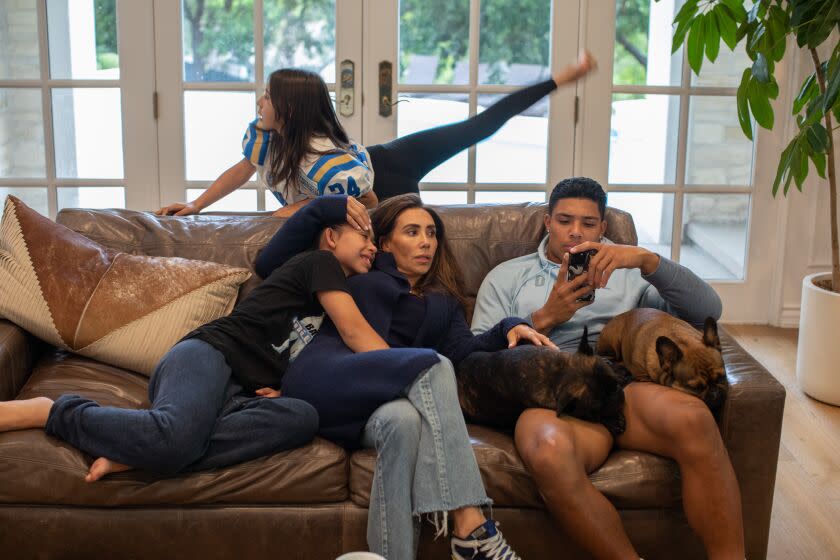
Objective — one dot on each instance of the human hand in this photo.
(357, 215)
(268, 393)
(562, 303)
(612, 257)
(523, 332)
(178, 209)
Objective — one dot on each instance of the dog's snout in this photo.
(715, 396)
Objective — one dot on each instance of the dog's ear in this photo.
(669, 353)
(584, 347)
(607, 376)
(710, 333)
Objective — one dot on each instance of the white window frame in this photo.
(136, 86)
(171, 88)
(382, 43)
(747, 300)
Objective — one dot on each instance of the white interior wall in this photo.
(804, 235)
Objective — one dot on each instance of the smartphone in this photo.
(579, 264)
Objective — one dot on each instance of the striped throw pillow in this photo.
(121, 309)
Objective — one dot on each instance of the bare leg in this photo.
(668, 422)
(466, 520)
(560, 452)
(103, 466)
(25, 414)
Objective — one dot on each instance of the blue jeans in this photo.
(425, 462)
(198, 418)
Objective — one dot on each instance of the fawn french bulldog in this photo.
(659, 347)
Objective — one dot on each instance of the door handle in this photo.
(385, 88)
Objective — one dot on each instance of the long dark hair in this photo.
(444, 275)
(302, 105)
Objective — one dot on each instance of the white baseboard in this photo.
(789, 317)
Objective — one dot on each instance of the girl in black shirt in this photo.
(204, 413)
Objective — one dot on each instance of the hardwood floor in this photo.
(806, 504)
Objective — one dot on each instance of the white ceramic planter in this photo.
(818, 356)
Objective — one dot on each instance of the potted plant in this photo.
(764, 27)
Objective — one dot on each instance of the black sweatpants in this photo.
(399, 165)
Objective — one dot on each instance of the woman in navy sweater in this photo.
(402, 401)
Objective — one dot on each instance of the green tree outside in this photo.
(224, 29)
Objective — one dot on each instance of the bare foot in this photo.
(585, 64)
(103, 466)
(21, 415)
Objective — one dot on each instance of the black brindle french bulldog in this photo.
(495, 387)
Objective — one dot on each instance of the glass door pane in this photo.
(22, 143)
(514, 42)
(457, 58)
(19, 45)
(227, 50)
(300, 34)
(667, 146)
(71, 106)
(83, 41)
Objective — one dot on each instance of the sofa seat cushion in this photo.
(629, 479)
(37, 469)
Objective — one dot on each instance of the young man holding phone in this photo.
(560, 452)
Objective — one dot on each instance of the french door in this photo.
(213, 59)
(117, 103)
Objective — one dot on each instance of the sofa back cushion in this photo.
(122, 309)
(482, 236)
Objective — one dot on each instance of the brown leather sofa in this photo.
(310, 503)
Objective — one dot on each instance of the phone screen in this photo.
(579, 264)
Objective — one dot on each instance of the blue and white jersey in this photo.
(335, 172)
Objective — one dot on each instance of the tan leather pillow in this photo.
(121, 309)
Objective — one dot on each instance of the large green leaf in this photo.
(772, 88)
(803, 11)
(778, 23)
(824, 24)
(728, 26)
(819, 163)
(683, 19)
(696, 43)
(759, 69)
(679, 34)
(813, 20)
(832, 83)
(712, 32)
(783, 169)
(743, 107)
(808, 90)
(760, 104)
(754, 43)
(687, 11)
(818, 137)
(814, 111)
(799, 166)
(744, 29)
(737, 9)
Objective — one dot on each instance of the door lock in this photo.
(346, 90)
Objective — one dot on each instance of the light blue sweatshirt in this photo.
(520, 286)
